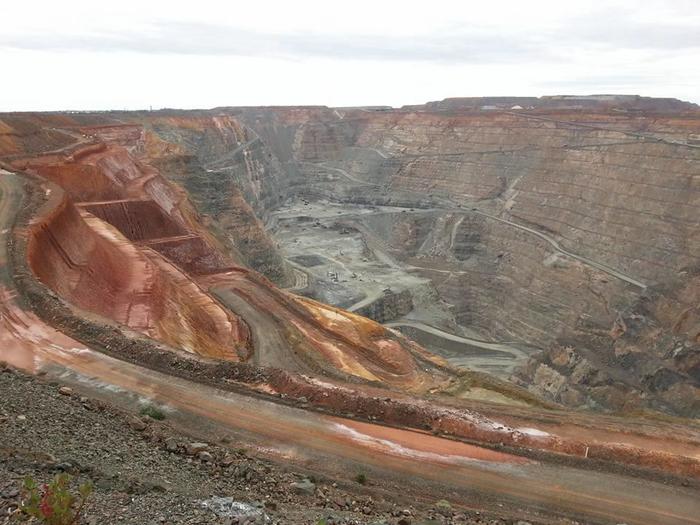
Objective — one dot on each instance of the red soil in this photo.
(86, 254)
(138, 220)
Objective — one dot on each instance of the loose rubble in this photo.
(145, 472)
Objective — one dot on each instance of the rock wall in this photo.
(388, 307)
(231, 179)
(570, 227)
(616, 189)
(98, 270)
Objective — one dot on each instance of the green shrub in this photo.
(153, 412)
(53, 503)
(361, 478)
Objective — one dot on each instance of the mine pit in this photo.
(350, 265)
(440, 296)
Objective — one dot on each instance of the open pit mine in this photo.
(495, 301)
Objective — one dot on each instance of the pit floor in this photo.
(343, 269)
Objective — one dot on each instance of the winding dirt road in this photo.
(214, 166)
(590, 262)
(497, 359)
(270, 346)
(344, 173)
(585, 260)
(478, 343)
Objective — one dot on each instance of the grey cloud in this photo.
(609, 29)
(603, 80)
(621, 28)
(203, 39)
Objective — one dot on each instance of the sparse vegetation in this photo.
(153, 412)
(53, 503)
(361, 478)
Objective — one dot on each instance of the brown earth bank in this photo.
(436, 454)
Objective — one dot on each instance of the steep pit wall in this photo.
(150, 216)
(631, 205)
(109, 172)
(611, 188)
(190, 253)
(108, 182)
(69, 256)
(388, 307)
(604, 194)
(150, 224)
(83, 182)
(137, 220)
(195, 322)
(98, 270)
(222, 163)
(649, 358)
(500, 281)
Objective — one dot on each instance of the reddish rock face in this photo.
(97, 268)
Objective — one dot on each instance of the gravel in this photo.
(144, 472)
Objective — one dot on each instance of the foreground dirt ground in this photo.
(143, 474)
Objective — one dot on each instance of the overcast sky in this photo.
(76, 54)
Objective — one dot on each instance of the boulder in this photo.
(171, 444)
(443, 507)
(195, 448)
(137, 424)
(304, 486)
(205, 456)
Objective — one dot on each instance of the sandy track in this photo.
(270, 347)
(479, 343)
